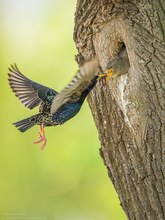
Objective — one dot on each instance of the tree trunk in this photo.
(129, 111)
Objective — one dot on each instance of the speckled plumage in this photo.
(55, 108)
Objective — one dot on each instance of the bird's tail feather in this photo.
(26, 123)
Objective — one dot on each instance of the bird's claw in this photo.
(42, 137)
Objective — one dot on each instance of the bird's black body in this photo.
(55, 108)
(72, 107)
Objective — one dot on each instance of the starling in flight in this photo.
(54, 108)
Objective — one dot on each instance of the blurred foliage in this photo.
(67, 180)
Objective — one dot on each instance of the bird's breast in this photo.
(66, 112)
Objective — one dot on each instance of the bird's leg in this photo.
(42, 137)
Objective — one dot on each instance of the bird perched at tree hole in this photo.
(55, 108)
(120, 64)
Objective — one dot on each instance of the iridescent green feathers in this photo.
(55, 108)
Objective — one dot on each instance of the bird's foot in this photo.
(42, 137)
(107, 74)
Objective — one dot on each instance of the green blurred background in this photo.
(68, 180)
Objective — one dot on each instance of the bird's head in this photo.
(119, 64)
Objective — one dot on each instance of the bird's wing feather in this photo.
(30, 93)
(79, 82)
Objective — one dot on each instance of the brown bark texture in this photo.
(129, 110)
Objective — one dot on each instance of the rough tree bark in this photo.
(129, 111)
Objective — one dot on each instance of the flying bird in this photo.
(54, 108)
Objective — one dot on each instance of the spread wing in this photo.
(30, 93)
(77, 85)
